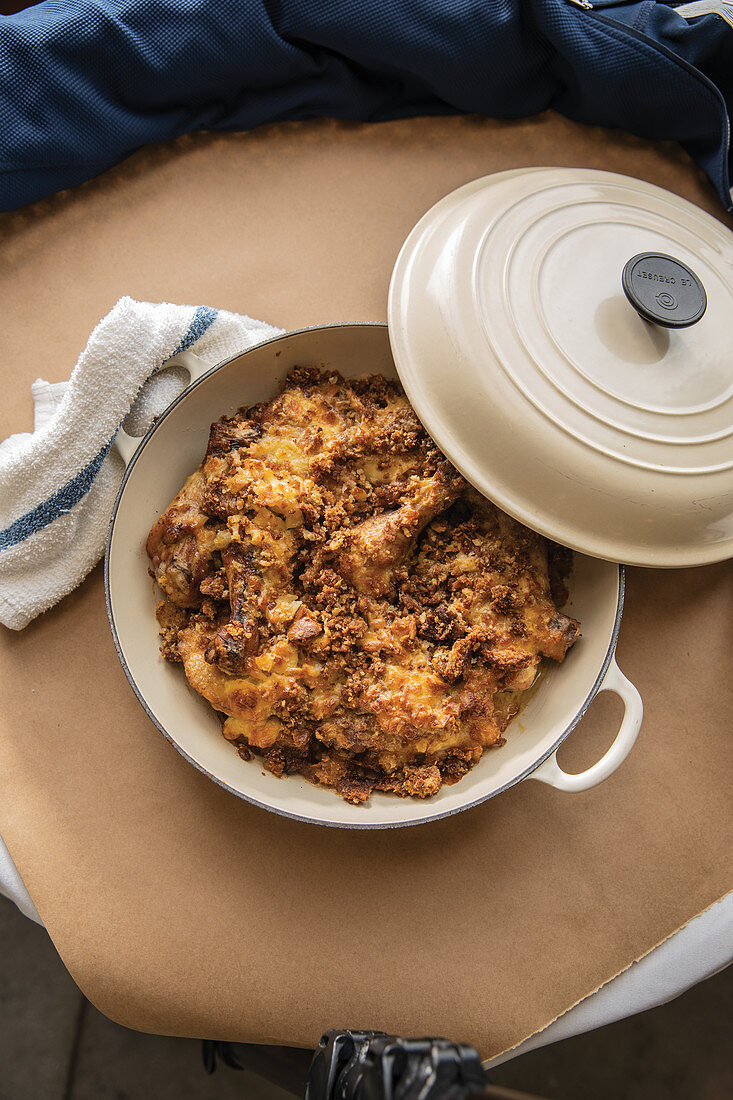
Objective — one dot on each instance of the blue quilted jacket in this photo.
(83, 83)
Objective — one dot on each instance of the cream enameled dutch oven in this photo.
(156, 470)
(559, 333)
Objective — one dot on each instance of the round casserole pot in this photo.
(158, 465)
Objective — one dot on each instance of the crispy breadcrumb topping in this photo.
(351, 607)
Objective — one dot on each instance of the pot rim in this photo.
(610, 651)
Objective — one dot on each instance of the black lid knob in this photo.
(664, 290)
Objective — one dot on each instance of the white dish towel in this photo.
(59, 482)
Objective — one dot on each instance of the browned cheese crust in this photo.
(351, 607)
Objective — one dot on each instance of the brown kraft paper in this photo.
(179, 908)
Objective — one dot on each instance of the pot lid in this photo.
(565, 337)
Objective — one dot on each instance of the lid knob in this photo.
(664, 290)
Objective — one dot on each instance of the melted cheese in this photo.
(344, 599)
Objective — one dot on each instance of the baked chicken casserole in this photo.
(351, 607)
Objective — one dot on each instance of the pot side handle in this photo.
(125, 444)
(550, 771)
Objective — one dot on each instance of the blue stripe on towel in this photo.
(64, 499)
(61, 502)
(203, 318)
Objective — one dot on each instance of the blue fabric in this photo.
(83, 83)
(203, 319)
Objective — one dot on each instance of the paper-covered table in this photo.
(177, 907)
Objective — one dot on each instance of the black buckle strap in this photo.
(370, 1065)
